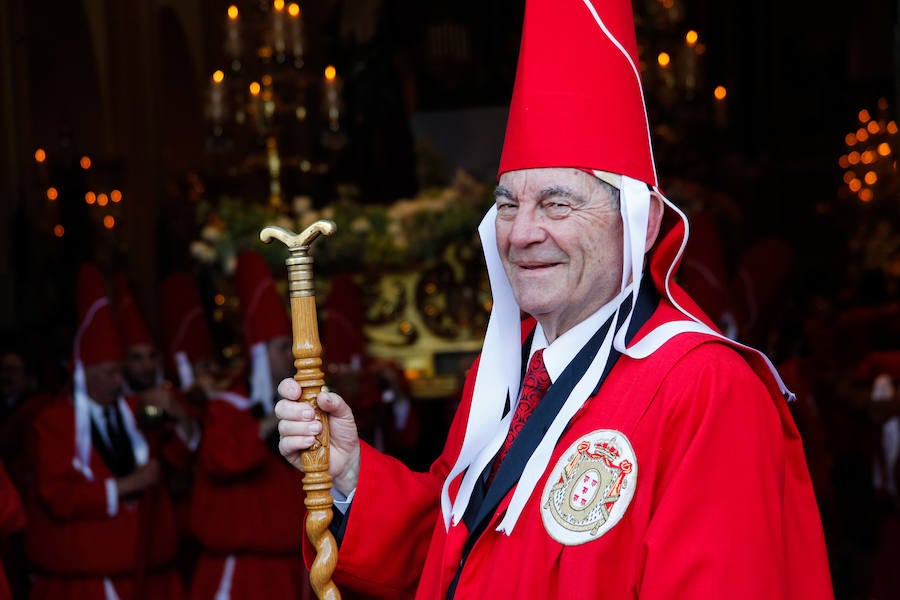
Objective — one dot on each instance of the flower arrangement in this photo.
(369, 236)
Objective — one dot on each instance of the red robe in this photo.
(722, 508)
(246, 510)
(72, 541)
(12, 519)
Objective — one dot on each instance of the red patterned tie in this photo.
(537, 380)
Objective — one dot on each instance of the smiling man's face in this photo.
(559, 234)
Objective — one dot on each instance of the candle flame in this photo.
(233, 12)
(218, 76)
(330, 72)
(720, 92)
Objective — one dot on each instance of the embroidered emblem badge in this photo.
(590, 487)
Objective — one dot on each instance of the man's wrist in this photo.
(347, 481)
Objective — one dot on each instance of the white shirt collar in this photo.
(98, 418)
(562, 351)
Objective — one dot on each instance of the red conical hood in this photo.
(263, 310)
(183, 319)
(132, 326)
(96, 340)
(578, 100)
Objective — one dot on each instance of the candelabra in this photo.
(272, 114)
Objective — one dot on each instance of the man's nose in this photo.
(527, 227)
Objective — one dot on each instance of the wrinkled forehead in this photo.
(537, 183)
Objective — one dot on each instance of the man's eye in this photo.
(506, 209)
(556, 210)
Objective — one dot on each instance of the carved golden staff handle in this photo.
(308, 362)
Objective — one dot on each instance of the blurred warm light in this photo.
(115, 196)
(59, 231)
(850, 139)
(663, 59)
(849, 176)
(861, 134)
(218, 76)
(867, 157)
(853, 157)
(109, 222)
(102, 199)
(884, 148)
(330, 72)
(892, 127)
(843, 162)
(700, 49)
(864, 116)
(85, 162)
(691, 37)
(220, 299)
(267, 80)
(855, 185)
(873, 127)
(866, 195)
(406, 327)
(871, 177)
(294, 9)
(882, 103)
(279, 5)
(90, 197)
(39, 155)
(52, 194)
(254, 88)
(720, 92)
(232, 12)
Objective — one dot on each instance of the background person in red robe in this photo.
(642, 454)
(12, 520)
(93, 474)
(246, 498)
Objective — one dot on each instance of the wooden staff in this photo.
(308, 362)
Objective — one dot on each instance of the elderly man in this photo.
(641, 453)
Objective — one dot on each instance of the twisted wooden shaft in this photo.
(308, 362)
(316, 481)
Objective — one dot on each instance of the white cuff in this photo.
(194, 440)
(112, 497)
(342, 502)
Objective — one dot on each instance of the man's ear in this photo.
(654, 219)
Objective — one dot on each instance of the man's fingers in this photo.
(294, 411)
(303, 428)
(333, 405)
(297, 443)
(290, 389)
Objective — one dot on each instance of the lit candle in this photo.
(278, 29)
(233, 36)
(689, 54)
(217, 98)
(256, 105)
(331, 97)
(295, 31)
(721, 108)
